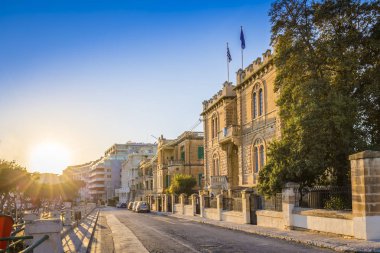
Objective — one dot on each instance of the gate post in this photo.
(50, 227)
(194, 203)
(219, 205)
(365, 180)
(245, 205)
(202, 204)
(165, 203)
(288, 202)
(173, 202)
(182, 201)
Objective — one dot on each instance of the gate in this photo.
(255, 204)
(159, 199)
(197, 205)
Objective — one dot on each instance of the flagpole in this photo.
(228, 67)
(242, 57)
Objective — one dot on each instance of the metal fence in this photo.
(273, 203)
(176, 199)
(210, 202)
(325, 197)
(232, 204)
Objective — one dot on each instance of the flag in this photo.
(229, 58)
(242, 38)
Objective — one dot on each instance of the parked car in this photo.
(134, 206)
(142, 206)
(123, 205)
(130, 205)
(118, 205)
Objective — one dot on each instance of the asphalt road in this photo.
(168, 234)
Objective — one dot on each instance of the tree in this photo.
(16, 182)
(182, 184)
(327, 62)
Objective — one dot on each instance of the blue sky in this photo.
(87, 74)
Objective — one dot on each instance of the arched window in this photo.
(262, 156)
(256, 158)
(254, 105)
(214, 126)
(261, 102)
(258, 155)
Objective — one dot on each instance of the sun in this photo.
(49, 157)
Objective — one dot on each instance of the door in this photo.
(255, 204)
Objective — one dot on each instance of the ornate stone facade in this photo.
(239, 122)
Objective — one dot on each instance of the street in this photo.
(132, 232)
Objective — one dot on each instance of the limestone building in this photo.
(183, 155)
(239, 122)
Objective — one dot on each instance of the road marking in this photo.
(123, 238)
(170, 237)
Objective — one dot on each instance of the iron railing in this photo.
(273, 203)
(210, 202)
(324, 197)
(232, 204)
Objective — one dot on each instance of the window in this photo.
(214, 126)
(260, 102)
(200, 152)
(182, 150)
(258, 155)
(254, 105)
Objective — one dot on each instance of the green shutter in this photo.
(200, 152)
(183, 155)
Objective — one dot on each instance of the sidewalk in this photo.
(329, 241)
(78, 238)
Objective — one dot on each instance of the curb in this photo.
(319, 244)
(92, 234)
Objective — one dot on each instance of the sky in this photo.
(78, 76)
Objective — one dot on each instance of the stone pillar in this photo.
(245, 207)
(50, 227)
(288, 202)
(202, 204)
(219, 205)
(194, 203)
(156, 203)
(165, 203)
(182, 201)
(67, 219)
(173, 202)
(365, 180)
(28, 219)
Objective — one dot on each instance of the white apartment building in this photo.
(105, 175)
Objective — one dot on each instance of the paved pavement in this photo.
(78, 239)
(134, 232)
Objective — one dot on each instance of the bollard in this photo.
(219, 205)
(50, 227)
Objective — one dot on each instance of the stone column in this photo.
(245, 206)
(202, 204)
(182, 201)
(28, 219)
(156, 203)
(50, 227)
(194, 203)
(288, 202)
(165, 203)
(67, 220)
(219, 205)
(173, 202)
(365, 180)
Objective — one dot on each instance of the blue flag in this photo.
(242, 38)
(229, 58)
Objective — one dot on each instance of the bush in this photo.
(335, 203)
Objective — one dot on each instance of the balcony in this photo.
(97, 192)
(219, 182)
(96, 179)
(91, 186)
(176, 162)
(229, 134)
(97, 172)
